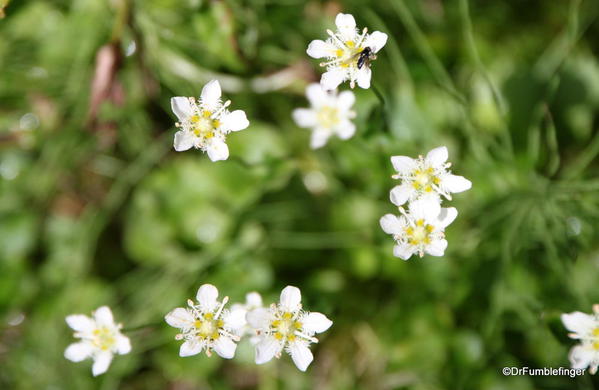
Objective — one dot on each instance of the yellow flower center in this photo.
(349, 54)
(420, 233)
(208, 327)
(104, 338)
(424, 179)
(596, 345)
(328, 117)
(203, 125)
(285, 327)
(596, 332)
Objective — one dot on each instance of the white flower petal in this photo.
(581, 356)
(181, 106)
(579, 322)
(235, 319)
(184, 140)
(426, 208)
(301, 355)
(123, 345)
(345, 130)
(80, 323)
(253, 299)
(316, 323)
(217, 150)
(77, 352)
(404, 252)
(401, 193)
(266, 349)
(363, 77)
(235, 121)
(376, 41)
(319, 138)
(403, 165)
(101, 363)
(454, 183)
(206, 297)
(305, 117)
(436, 247)
(391, 224)
(225, 347)
(332, 78)
(290, 299)
(103, 316)
(319, 49)
(190, 348)
(447, 216)
(346, 100)
(346, 24)
(317, 95)
(211, 94)
(437, 156)
(180, 318)
(258, 318)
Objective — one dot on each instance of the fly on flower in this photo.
(285, 326)
(205, 123)
(420, 230)
(329, 115)
(348, 53)
(425, 177)
(100, 338)
(584, 327)
(207, 325)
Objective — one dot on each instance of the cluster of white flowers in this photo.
(348, 55)
(585, 328)
(421, 228)
(207, 325)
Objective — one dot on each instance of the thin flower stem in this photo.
(378, 94)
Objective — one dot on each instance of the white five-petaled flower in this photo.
(425, 177)
(329, 115)
(205, 123)
(285, 326)
(343, 50)
(420, 230)
(206, 325)
(584, 327)
(253, 301)
(100, 338)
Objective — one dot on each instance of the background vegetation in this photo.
(96, 208)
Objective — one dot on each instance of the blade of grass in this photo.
(429, 56)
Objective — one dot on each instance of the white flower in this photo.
(425, 177)
(584, 327)
(421, 230)
(253, 301)
(329, 115)
(100, 338)
(205, 123)
(343, 49)
(287, 326)
(206, 326)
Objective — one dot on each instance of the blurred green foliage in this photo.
(95, 207)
